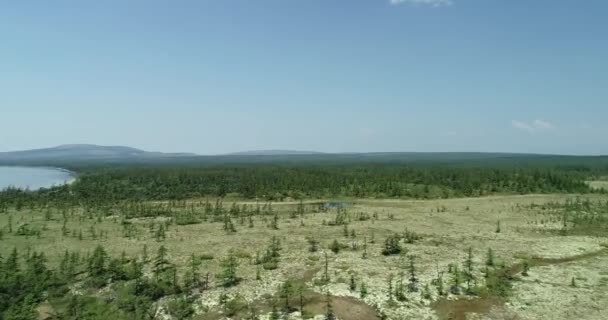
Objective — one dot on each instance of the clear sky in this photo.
(217, 76)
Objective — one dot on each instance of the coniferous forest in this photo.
(279, 181)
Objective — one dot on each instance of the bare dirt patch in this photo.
(459, 309)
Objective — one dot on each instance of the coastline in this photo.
(69, 178)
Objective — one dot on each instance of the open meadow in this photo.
(494, 257)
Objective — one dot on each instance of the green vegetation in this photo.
(211, 242)
(278, 182)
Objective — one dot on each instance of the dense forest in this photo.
(277, 182)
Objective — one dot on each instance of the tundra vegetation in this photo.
(316, 241)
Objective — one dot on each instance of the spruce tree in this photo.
(275, 222)
(301, 296)
(413, 279)
(335, 246)
(144, 254)
(363, 290)
(389, 281)
(192, 278)
(223, 301)
(12, 261)
(392, 245)
(440, 285)
(490, 258)
(456, 280)
(526, 268)
(161, 264)
(63, 266)
(469, 275)
(326, 269)
(286, 291)
(400, 289)
(229, 267)
(97, 262)
(313, 245)
(301, 209)
(329, 309)
(426, 292)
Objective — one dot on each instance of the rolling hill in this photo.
(82, 152)
(88, 154)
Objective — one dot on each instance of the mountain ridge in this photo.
(89, 154)
(84, 152)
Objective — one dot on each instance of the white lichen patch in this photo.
(558, 247)
(548, 292)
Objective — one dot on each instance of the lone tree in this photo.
(326, 270)
(313, 245)
(329, 309)
(363, 290)
(161, 263)
(228, 224)
(229, 267)
(301, 296)
(413, 281)
(274, 224)
(399, 289)
(526, 268)
(144, 254)
(300, 210)
(392, 246)
(439, 284)
(389, 282)
(286, 291)
(274, 249)
(192, 276)
(490, 258)
(335, 246)
(456, 280)
(469, 276)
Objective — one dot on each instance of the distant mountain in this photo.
(75, 155)
(274, 153)
(80, 152)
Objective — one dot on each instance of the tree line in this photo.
(277, 182)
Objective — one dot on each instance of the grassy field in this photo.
(567, 258)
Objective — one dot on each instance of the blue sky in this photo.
(216, 76)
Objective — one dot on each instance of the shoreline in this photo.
(70, 179)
